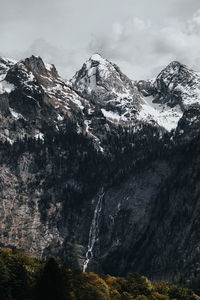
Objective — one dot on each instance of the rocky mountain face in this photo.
(103, 83)
(101, 171)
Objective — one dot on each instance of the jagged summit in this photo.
(95, 71)
(175, 64)
(36, 65)
(176, 72)
(88, 77)
(178, 85)
(102, 82)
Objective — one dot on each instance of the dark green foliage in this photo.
(51, 282)
(4, 281)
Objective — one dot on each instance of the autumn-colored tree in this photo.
(138, 285)
(176, 292)
(90, 286)
(161, 287)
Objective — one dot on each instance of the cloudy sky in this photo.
(141, 36)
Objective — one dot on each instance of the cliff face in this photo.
(152, 225)
(101, 171)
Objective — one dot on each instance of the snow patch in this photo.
(164, 115)
(78, 103)
(6, 87)
(113, 115)
(60, 118)
(15, 114)
(39, 136)
(97, 57)
(48, 66)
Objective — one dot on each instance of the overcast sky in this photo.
(141, 36)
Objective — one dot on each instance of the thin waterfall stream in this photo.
(94, 231)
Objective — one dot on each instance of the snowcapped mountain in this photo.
(100, 77)
(91, 169)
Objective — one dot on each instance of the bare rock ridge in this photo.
(101, 171)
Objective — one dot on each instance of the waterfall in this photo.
(94, 231)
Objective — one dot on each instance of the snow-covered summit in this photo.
(102, 82)
(98, 72)
(178, 84)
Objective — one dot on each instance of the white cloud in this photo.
(141, 48)
(66, 61)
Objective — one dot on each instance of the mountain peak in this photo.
(175, 74)
(178, 85)
(176, 69)
(92, 72)
(103, 83)
(175, 63)
(36, 65)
